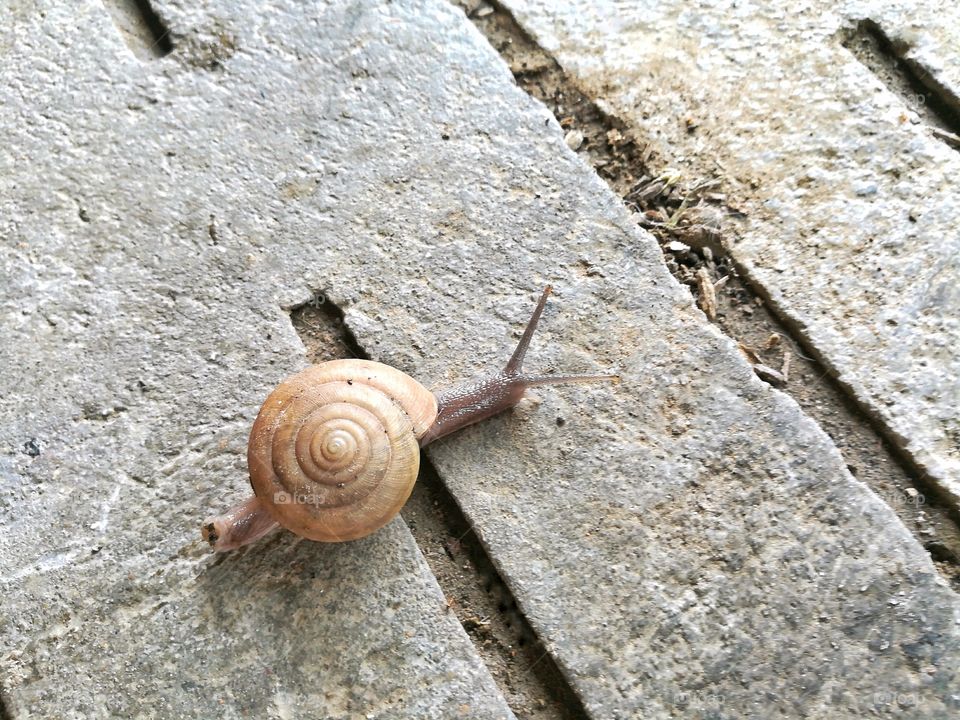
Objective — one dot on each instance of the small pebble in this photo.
(573, 139)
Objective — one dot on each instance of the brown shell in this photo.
(334, 452)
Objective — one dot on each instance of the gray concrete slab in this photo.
(684, 543)
(142, 325)
(850, 201)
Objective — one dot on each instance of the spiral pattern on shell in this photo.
(335, 451)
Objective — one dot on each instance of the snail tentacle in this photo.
(478, 400)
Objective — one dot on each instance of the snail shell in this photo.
(334, 451)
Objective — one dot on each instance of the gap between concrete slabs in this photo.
(685, 216)
(849, 223)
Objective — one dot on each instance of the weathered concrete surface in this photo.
(139, 335)
(686, 543)
(852, 211)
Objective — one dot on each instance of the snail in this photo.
(335, 449)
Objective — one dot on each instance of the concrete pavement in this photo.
(685, 543)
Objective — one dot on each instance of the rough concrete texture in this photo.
(851, 211)
(144, 207)
(685, 543)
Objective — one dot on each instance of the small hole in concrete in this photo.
(142, 30)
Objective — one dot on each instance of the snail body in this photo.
(335, 450)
